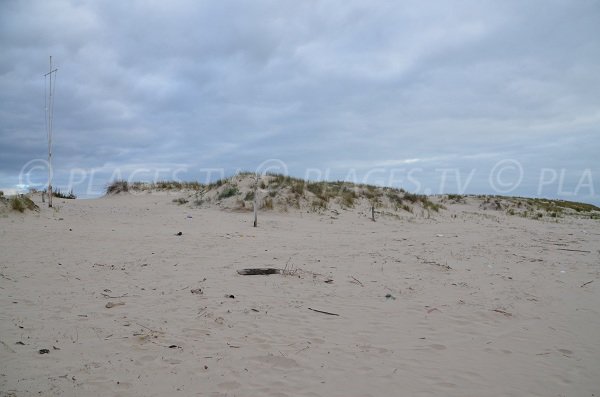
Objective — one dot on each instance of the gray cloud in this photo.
(339, 85)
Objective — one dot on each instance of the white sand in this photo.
(440, 336)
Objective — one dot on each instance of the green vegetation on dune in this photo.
(539, 208)
(229, 191)
(456, 198)
(121, 186)
(118, 187)
(553, 205)
(249, 196)
(347, 198)
(59, 194)
(282, 191)
(174, 185)
(22, 203)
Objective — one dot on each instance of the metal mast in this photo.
(49, 99)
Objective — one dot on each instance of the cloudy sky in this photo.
(433, 96)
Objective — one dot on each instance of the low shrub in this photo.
(228, 192)
(395, 199)
(427, 204)
(59, 194)
(298, 187)
(414, 198)
(347, 198)
(117, 187)
(315, 188)
(318, 204)
(217, 183)
(267, 203)
(22, 203)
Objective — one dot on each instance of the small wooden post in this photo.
(255, 200)
(255, 217)
(373, 212)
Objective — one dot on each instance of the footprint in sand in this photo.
(566, 352)
(436, 346)
(124, 385)
(277, 361)
(145, 359)
(230, 385)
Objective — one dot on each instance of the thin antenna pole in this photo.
(50, 140)
(49, 116)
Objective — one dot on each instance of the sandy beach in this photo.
(416, 183)
(135, 295)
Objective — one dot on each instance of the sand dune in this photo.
(467, 302)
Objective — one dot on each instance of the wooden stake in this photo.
(255, 215)
(255, 200)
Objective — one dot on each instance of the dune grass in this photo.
(122, 186)
(229, 191)
(117, 187)
(283, 191)
(68, 196)
(539, 208)
(22, 203)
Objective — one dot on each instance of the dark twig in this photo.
(567, 249)
(320, 311)
(113, 297)
(507, 314)
(584, 284)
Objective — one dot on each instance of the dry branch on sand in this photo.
(259, 271)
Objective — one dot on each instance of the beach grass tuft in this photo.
(22, 203)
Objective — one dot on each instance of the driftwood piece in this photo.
(507, 314)
(572, 250)
(259, 271)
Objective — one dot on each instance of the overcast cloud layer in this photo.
(430, 96)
